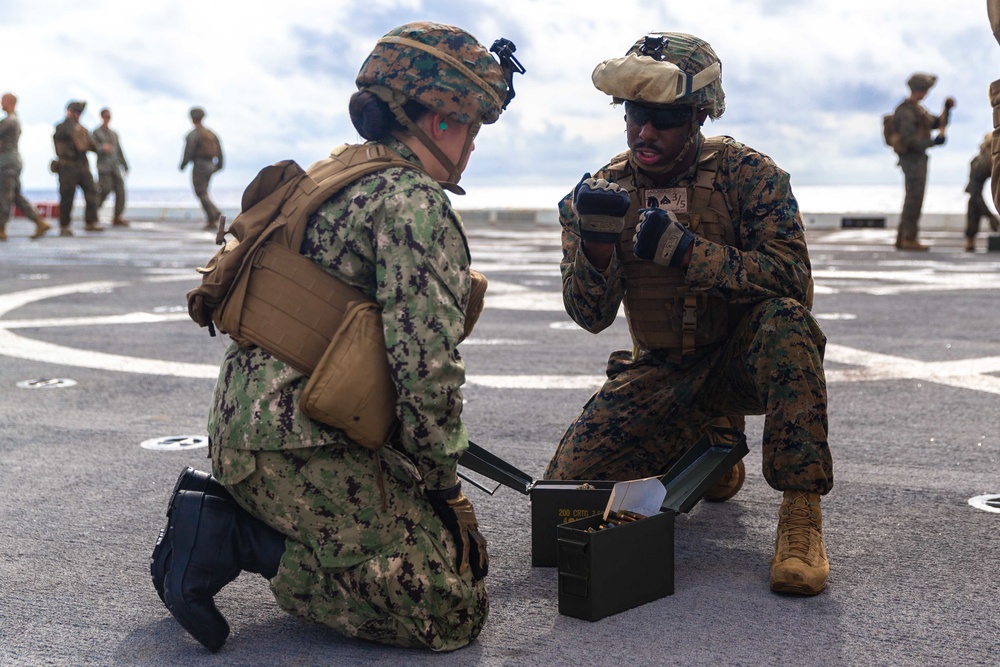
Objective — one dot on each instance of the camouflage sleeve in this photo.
(219, 158)
(770, 258)
(8, 126)
(591, 297)
(422, 283)
(190, 144)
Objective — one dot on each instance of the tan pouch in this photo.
(351, 388)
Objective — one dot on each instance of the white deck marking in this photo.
(970, 374)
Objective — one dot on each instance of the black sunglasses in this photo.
(662, 119)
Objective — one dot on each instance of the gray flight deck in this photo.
(913, 369)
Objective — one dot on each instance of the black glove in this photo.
(455, 511)
(601, 206)
(939, 140)
(660, 238)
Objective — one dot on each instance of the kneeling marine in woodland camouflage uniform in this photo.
(378, 543)
(703, 242)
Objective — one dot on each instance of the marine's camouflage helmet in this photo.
(641, 77)
(440, 66)
(921, 81)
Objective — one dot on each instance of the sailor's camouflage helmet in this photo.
(665, 68)
(443, 67)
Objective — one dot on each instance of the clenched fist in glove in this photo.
(660, 238)
(456, 512)
(601, 206)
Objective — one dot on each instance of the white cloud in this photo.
(806, 81)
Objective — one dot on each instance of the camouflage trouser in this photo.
(201, 173)
(10, 195)
(112, 182)
(977, 210)
(651, 410)
(914, 168)
(365, 554)
(71, 176)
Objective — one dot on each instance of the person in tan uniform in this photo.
(203, 149)
(111, 167)
(72, 141)
(979, 172)
(913, 125)
(10, 172)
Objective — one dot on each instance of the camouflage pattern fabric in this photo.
(914, 166)
(366, 554)
(443, 67)
(10, 172)
(980, 168)
(651, 409)
(202, 171)
(71, 177)
(108, 183)
(914, 125)
(203, 168)
(112, 159)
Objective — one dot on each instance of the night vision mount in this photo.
(504, 48)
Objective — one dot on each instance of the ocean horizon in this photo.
(813, 199)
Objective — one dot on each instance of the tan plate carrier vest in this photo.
(663, 312)
(282, 301)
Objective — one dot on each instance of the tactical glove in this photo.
(455, 511)
(601, 207)
(939, 140)
(476, 296)
(660, 238)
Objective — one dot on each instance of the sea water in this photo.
(813, 199)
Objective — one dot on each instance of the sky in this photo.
(806, 81)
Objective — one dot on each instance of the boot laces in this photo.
(798, 527)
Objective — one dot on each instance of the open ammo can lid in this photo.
(701, 467)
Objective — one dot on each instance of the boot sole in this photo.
(792, 589)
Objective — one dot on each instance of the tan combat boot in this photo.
(970, 244)
(729, 484)
(911, 244)
(799, 565)
(93, 227)
(41, 227)
(119, 222)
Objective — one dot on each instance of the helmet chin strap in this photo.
(694, 133)
(451, 183)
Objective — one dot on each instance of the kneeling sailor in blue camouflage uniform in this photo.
(702, 241)
(376, 543)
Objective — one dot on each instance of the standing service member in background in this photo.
(913, 124)
(10, 172)
(979, 172)
(72, 141)
(374, 539)
(111, 167)
(203, 149)
(703, 242)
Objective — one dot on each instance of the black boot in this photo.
(212, 539)
(189, 480)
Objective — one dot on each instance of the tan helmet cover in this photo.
(644, 79)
